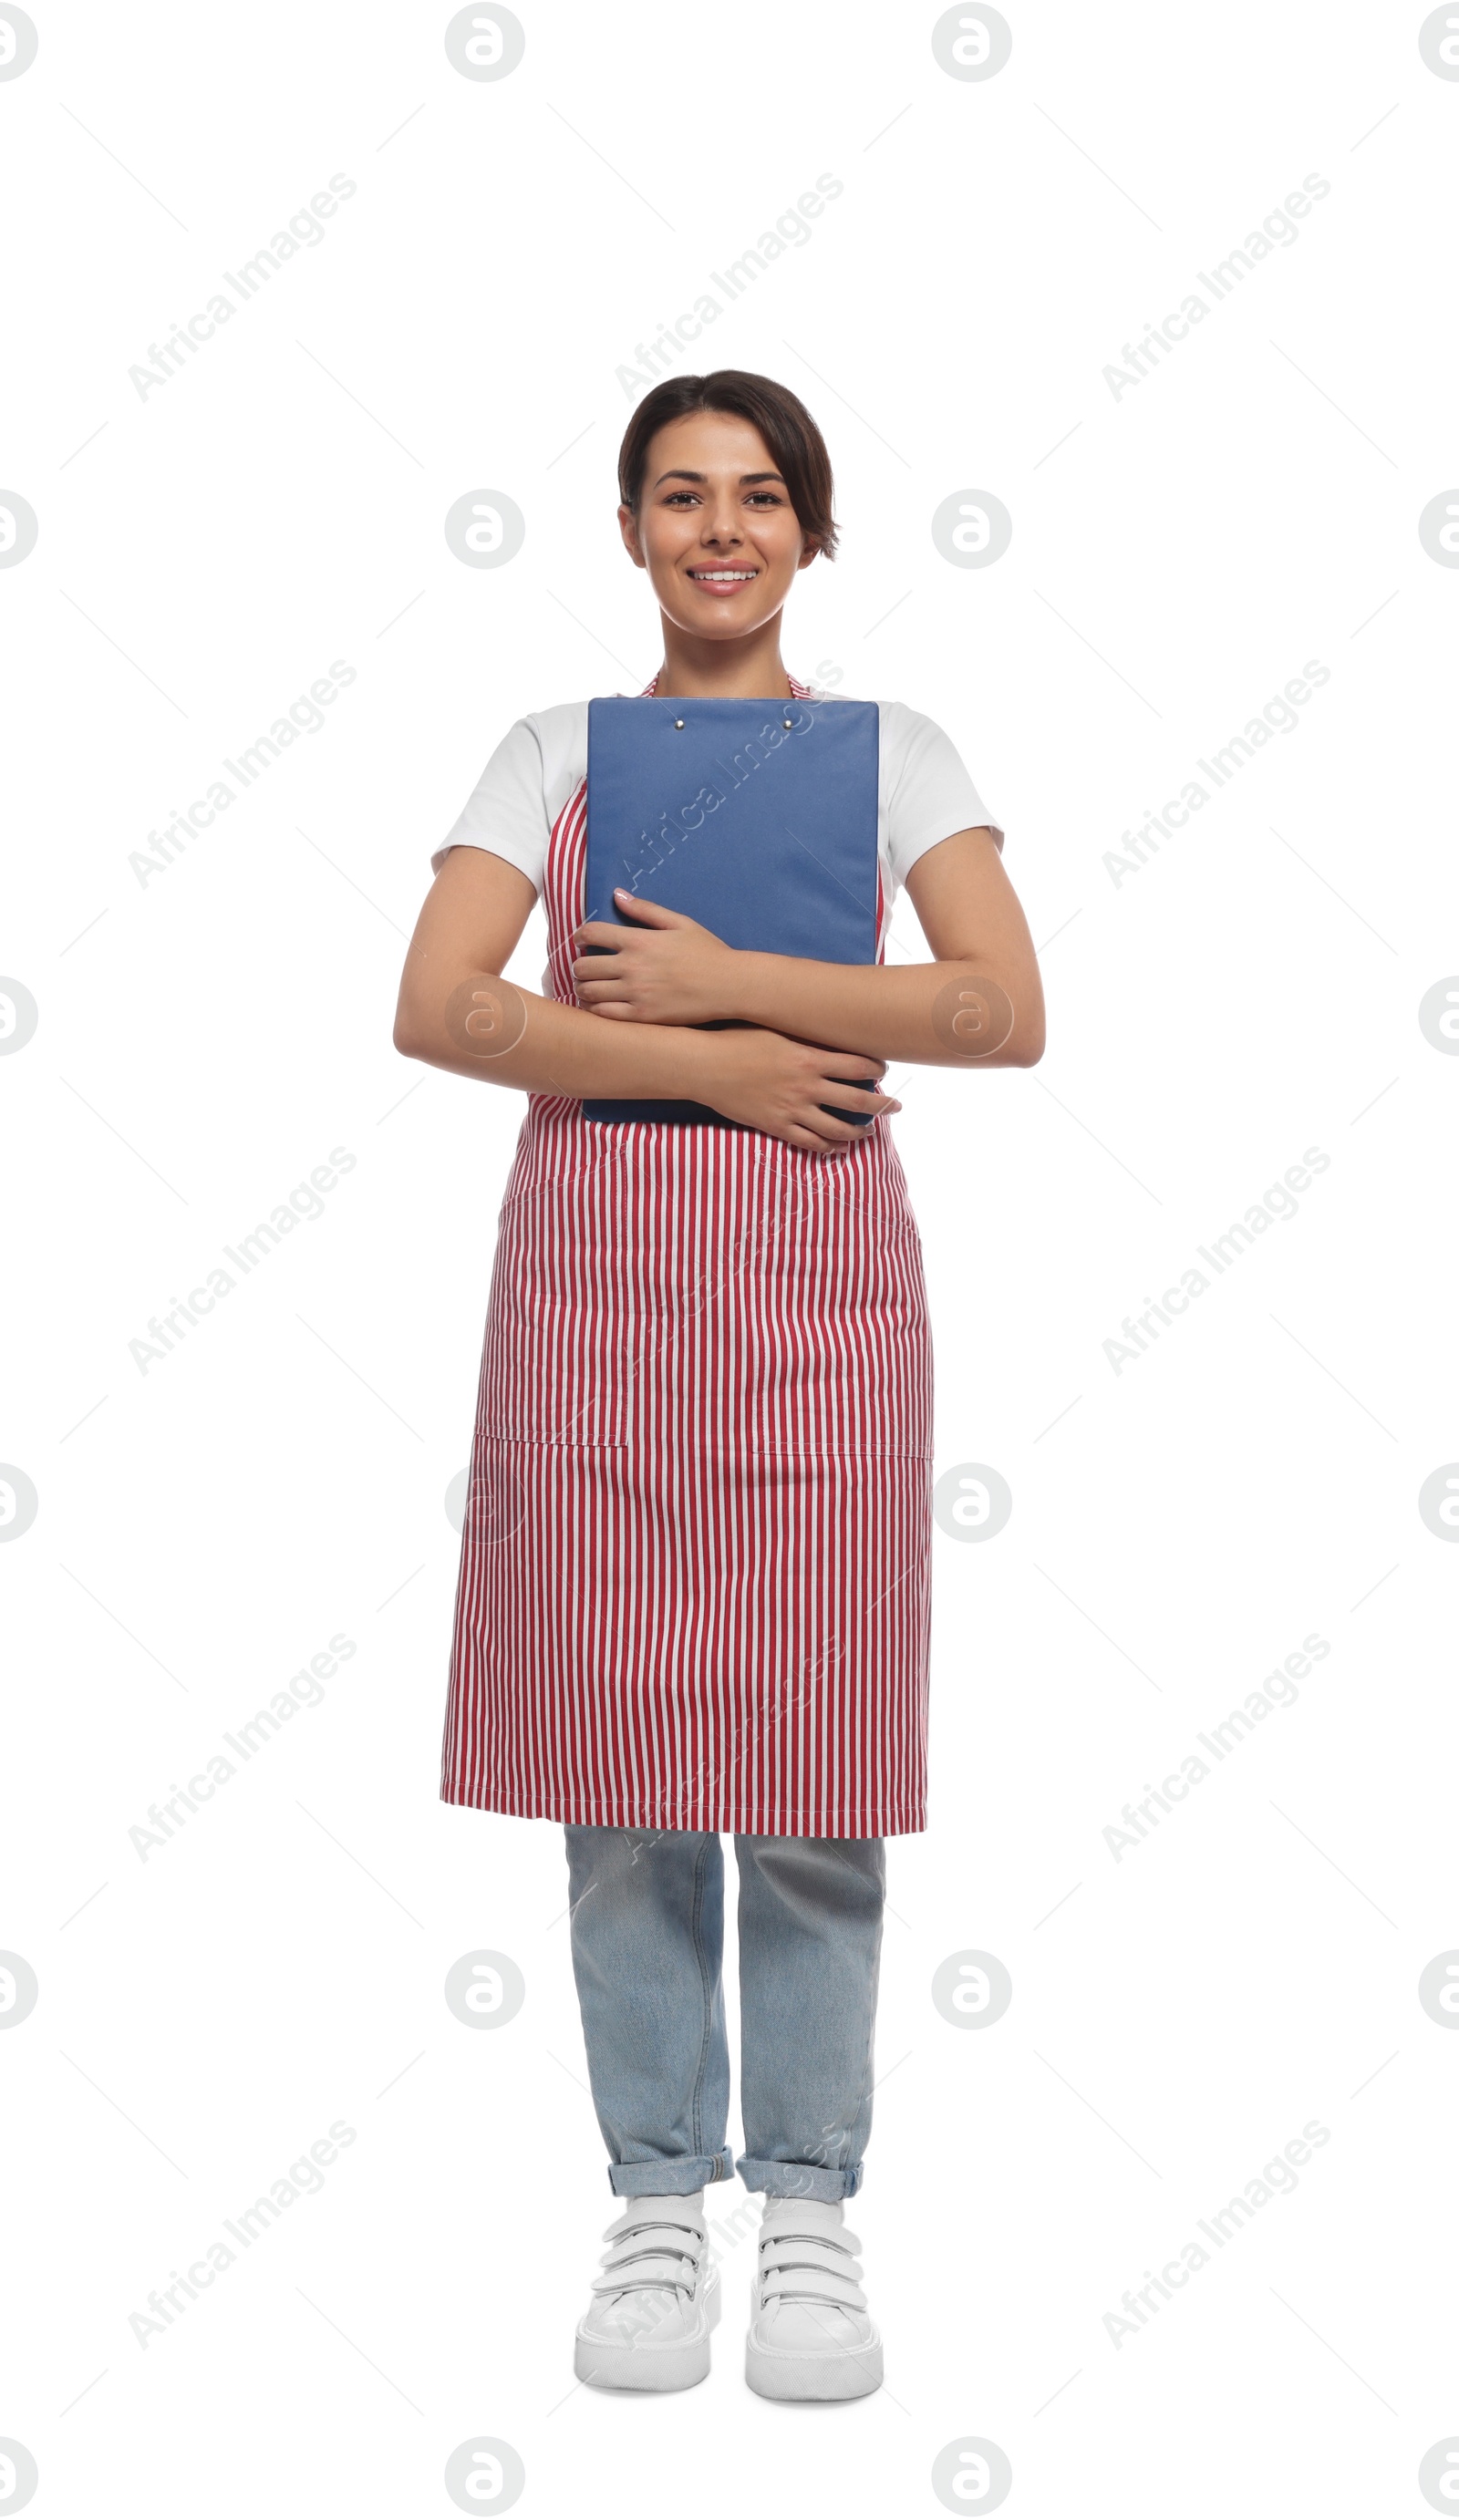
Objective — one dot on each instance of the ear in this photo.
(629, 528)
(811, 551)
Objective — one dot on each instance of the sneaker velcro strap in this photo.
(672, 2219)
(605, 2286)
(648, 2274)
(785, 2250)
(667, 2239)
(812, 2284)
(792, 2217)
(633, 2269)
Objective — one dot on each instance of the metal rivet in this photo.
(784, 721)
(678, 721)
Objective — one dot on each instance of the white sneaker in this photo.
(647, 2325)
(809, 2332)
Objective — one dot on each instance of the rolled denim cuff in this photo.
(798, 2179)
(673, 2178)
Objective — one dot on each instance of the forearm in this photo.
(937, 1015)
(487, 1026)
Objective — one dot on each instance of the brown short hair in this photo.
(782, 422)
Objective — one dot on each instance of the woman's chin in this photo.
(713, 618)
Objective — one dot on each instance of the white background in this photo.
(207, 1036)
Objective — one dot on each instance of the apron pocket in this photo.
(559, 1359)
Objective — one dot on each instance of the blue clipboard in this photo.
(757, 818)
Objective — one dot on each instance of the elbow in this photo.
(1030, 1033)
(417, 1020)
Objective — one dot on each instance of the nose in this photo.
(721, 520)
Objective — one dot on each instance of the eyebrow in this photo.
(677, 473)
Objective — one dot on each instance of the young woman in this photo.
(695, 1568)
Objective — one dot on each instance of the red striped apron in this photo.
(694, 1586)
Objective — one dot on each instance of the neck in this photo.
(726, 669)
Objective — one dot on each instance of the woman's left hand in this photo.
(664, 968)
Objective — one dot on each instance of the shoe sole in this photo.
(819, 2377)
(681, 2366)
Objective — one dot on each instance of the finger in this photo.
(652, 913)
(853, 1063)
(602, 993)
(810, 1142)
(600, 931)
(617, 1011)
(836, 1133)
(875, 1104)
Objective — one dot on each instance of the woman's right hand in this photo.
(769, 1082)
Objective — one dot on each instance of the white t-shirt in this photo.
(923, 793)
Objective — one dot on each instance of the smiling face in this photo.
(715, 529)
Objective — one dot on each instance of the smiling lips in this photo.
(723, 581)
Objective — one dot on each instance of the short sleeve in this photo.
(930, 794)
(506, 811)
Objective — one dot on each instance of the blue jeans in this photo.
(648, 1936)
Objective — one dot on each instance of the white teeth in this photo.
(723, 576)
